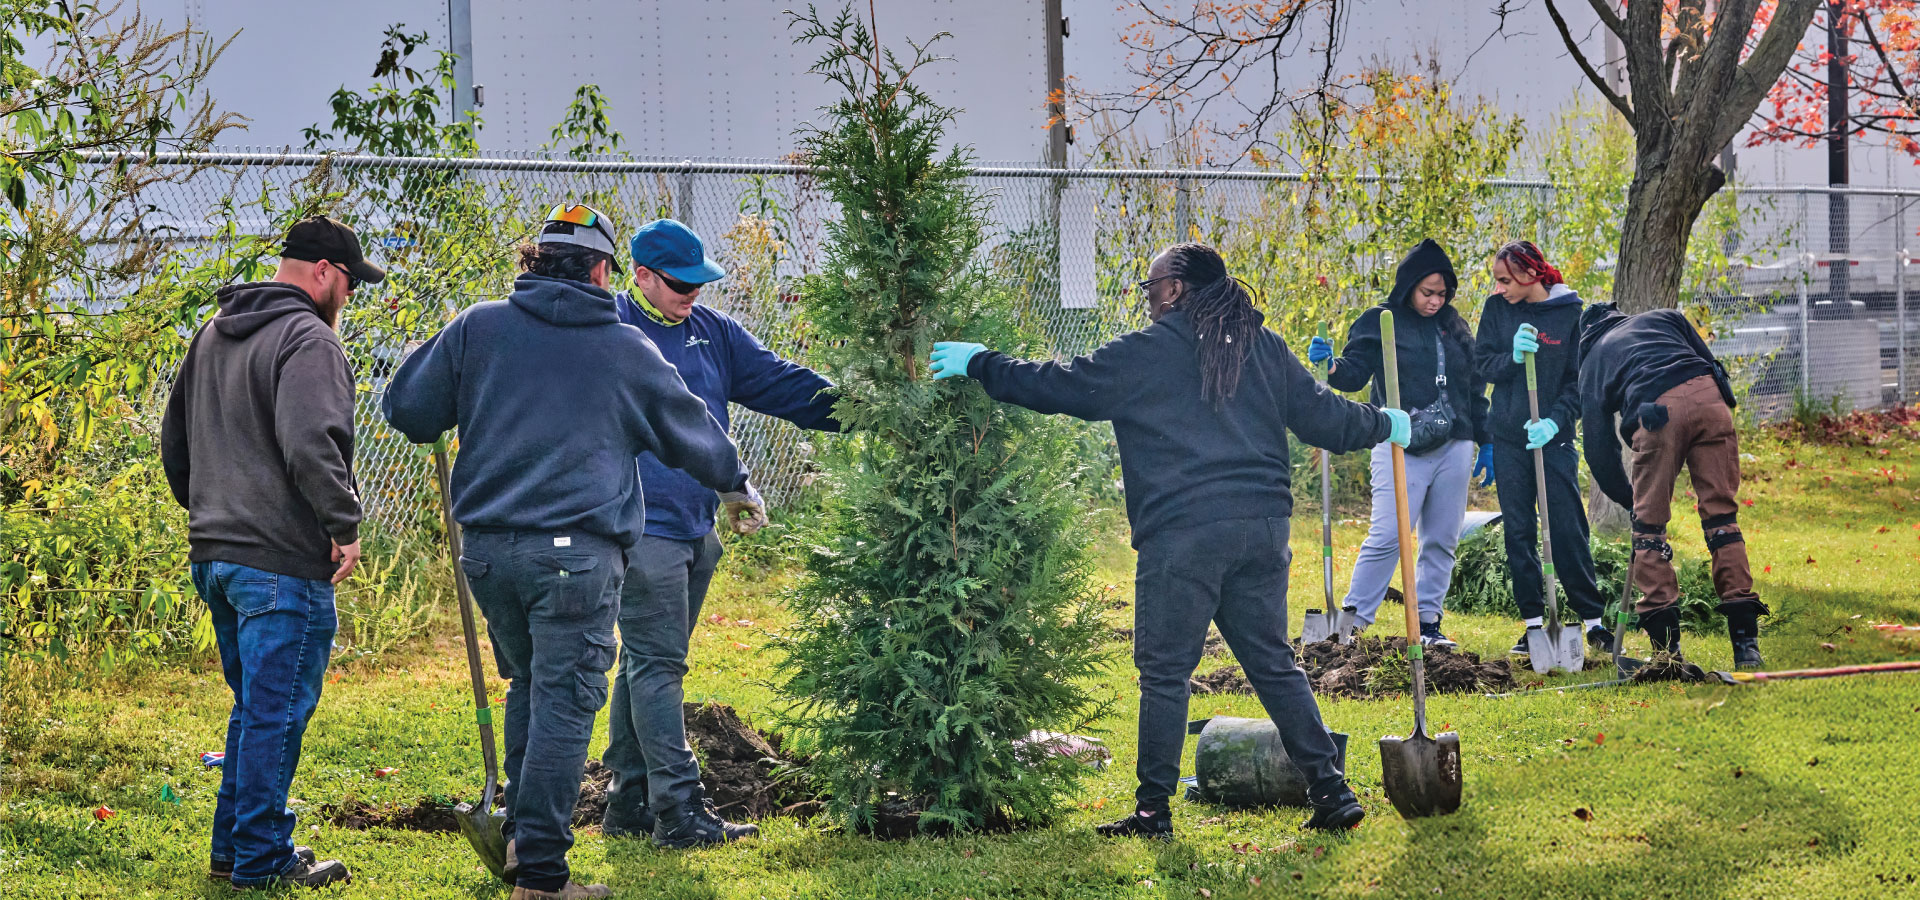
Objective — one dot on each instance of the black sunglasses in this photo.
(683, 288)
(352, 282)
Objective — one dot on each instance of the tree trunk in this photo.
(1662, 204)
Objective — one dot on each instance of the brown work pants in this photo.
(1699, 435)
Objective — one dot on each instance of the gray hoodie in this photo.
(257, 441)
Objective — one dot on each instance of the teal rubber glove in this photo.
(1483, 464)
(1525, 341)
(1540, 433)
(1402, 431)
(950, 358)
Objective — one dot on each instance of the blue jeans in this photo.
(275, 634)
(646, 731)
(550, 600)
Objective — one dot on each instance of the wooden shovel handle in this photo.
(1390, 356)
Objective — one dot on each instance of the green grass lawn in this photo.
(1783, 790)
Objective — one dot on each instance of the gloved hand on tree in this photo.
(746, 513)
(1402, 431)
(1541, 433)
(950, 358)
(1525, 341)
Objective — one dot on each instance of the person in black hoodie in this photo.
(1537, 312)
(554, 397)
(1452, 408)
(257, 444)
(1201, 401)
(1675, 406)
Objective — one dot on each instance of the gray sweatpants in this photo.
(1436, 503)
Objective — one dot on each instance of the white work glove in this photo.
(746, 513)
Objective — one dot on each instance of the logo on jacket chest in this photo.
(696, 341)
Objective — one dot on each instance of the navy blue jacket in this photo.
(554, 398)
(1556, 364)
(720, 361)
(1186, 461)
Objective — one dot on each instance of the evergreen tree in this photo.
(945, 611)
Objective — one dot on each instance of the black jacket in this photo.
(1417, 338)
(1626, 363)
(1556, 363)
(1184, 461)
(257, 439)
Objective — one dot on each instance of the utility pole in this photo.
(1839, 122)
(466, 95)
(1054, 32)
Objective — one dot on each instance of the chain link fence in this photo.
(1810, 308)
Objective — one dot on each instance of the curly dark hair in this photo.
(1223, 316)
(569, 261)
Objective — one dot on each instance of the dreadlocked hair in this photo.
(1223, 316)
(1524, 255)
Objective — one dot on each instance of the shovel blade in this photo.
(1539, 651)
(1315, 627)
(1421, 773)
(1344, 622)
(483, 831)
(1570, 648)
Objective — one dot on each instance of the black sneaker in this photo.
(1430, 635)
(697, 824)
(625, 819)
(1599, 638)
(1152, 824)
(1340, 812)
(307, 874)
(222, 870)
(1520, 647)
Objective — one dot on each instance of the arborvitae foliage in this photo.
(945, 612)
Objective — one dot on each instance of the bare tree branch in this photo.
(1593, 75)
(1763, 66)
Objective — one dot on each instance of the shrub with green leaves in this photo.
(1482, 583)
(945, 612)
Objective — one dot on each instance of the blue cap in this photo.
(673, 248)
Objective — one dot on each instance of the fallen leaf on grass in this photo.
(101, 814)
(1205, 893)
(739, 646)
(1813, 762)
(1600, 738)
(1737, 771)
(383, 772)
(1583, 814)
(1828, 647)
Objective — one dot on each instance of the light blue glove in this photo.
(1402, 431)
(1319, 350)
(1483, 464)
(1525, 341)
(950, 358)
(1540, 433)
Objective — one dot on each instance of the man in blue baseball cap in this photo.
(656, 781)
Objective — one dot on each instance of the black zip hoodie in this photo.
(1417, 338)
(1556, 363)
(1184, 460)
(257, 440)
(1626, 363)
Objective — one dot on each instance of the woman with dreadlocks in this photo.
(1536, 312)
(1201, 401)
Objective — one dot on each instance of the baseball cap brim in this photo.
(706, 271)
(366, 271)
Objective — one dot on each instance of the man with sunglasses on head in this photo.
(257, 444)
(554, 398)
(656, 781)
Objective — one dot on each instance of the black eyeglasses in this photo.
(1141, 286)
(675, 285)
(352, 282)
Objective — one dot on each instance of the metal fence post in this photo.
(1806, 274)
(1900, 290)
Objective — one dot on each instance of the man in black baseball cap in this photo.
(257, 444)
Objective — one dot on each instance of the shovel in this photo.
(1554, 646)
(481, 824)
(1335, 623)
(1624, 666)
(1421, 773)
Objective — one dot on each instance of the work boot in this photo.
(695, 823)
(1430, 636)
(307, 874)
(1152, 823)
(627, 816)
(1600, 639)
(1663, 629)
(1339, 812)
(1743, 629)
(570, 892)
(222, 870)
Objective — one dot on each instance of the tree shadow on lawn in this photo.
(1623, 820)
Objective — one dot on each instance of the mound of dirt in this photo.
(737, 766)
(1349, 670)
(1663, 668)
